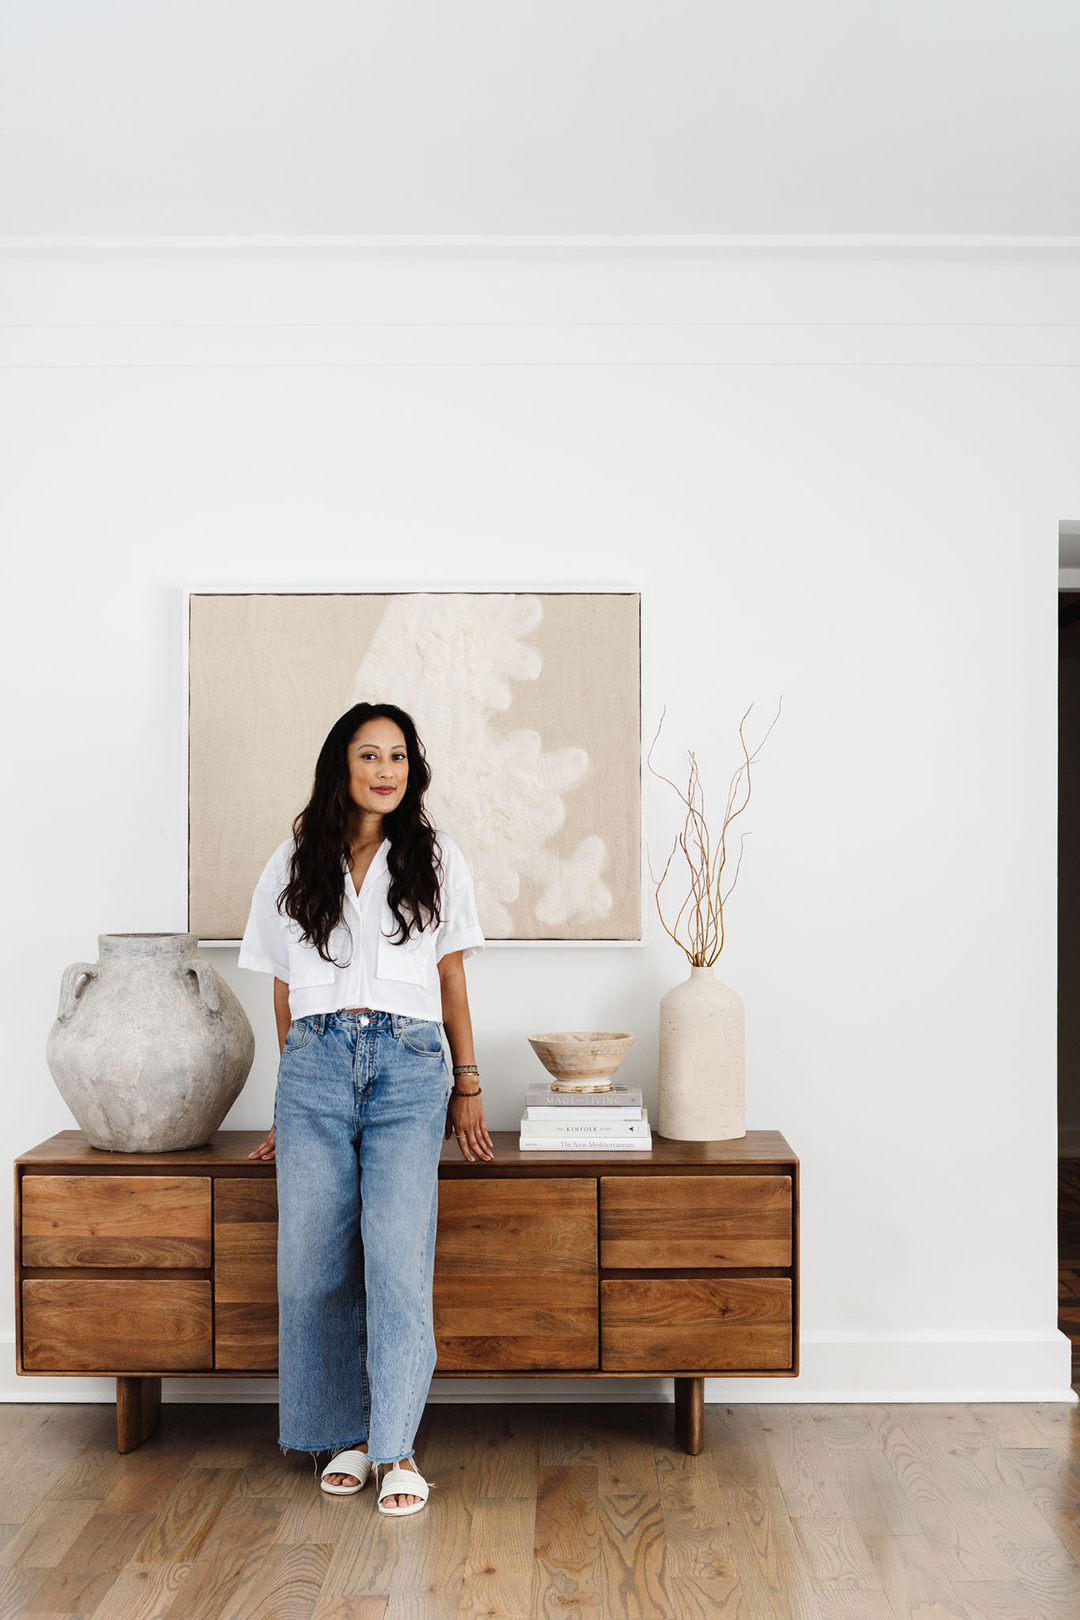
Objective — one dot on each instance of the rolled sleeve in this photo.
(263, 948)
(460, 927)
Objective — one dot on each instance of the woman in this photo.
(364, 917)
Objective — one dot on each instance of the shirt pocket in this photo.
(409, 963)
(306, 967)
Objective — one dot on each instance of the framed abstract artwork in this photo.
(528, 705)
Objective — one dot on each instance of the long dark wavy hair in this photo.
(314, 895)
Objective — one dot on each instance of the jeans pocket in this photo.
(423, 1036)
(299, 1033)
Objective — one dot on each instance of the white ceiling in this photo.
(539, 117)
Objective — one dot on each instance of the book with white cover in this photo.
(619, 1111)
(599, 1129)
(540, 1096)
(592, 1144)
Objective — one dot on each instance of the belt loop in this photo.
(394, 1024)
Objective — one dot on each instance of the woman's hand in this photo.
(265, 1149)
(465, 1120)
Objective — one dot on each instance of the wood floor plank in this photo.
(143, 1591)
(956, 1524)
(350, 1608)
(619, 1439)
(146, 1478)
(91, 1565)
(912, 1579)
(876, 1500)
(429, 1551)
(183, 1521)
(707, 1597)
(18, 1587)
(633, 1580)
(567, 1522)
(505, 1457)
(803, 1463)
(289, 1583)
(735, 1445)
(363, 1551)
(1007, 1423)
(566, 1591)
(853, 1603)
(996, 1600)
(499, 1574)
(834, 1554)
(693, 1507)
(48, 1534)
(229, 1559)
(566, 1540)
(767, 1554)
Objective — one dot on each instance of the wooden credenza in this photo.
(680, 1262)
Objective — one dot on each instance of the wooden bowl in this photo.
(581, 1059)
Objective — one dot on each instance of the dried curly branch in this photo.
(706, 928)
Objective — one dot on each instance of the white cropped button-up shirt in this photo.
(395, 978)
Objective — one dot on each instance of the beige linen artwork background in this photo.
(528, 706)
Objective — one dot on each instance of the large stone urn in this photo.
(702, 1062)
(150, 1047)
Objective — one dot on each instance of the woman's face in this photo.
(378, 759)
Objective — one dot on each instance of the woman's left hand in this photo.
(465, 1120)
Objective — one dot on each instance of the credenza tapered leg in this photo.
(138, 1408)
(690, 1413)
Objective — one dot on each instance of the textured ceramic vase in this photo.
(150, 1047)
(702, 1065)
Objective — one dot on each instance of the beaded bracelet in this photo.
(456, 1093)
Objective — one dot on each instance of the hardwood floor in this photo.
(791, 1512)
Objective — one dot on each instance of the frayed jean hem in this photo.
(313, 1451)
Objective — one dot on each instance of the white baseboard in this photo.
(836, 1368)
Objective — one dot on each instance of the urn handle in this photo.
(208, 986)
(69, 987)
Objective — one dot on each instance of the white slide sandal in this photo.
(403, 1482)
(347, 1462)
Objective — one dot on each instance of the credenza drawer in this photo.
(687, 1324)
(116, 1324)
(683, 1221)
(150, 1221)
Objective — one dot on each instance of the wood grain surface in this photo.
(116, 1220)
(582, 1511)
(715, 1221)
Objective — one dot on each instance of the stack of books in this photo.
(611, 1119)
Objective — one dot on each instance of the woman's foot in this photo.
(346, 1479)
(403, 1500)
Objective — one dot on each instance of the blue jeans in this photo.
(359, 1117)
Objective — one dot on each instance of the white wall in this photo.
(835, 475)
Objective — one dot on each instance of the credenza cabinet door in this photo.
(245, 1274)
(516, 1274)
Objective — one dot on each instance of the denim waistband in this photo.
(357, 1020)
